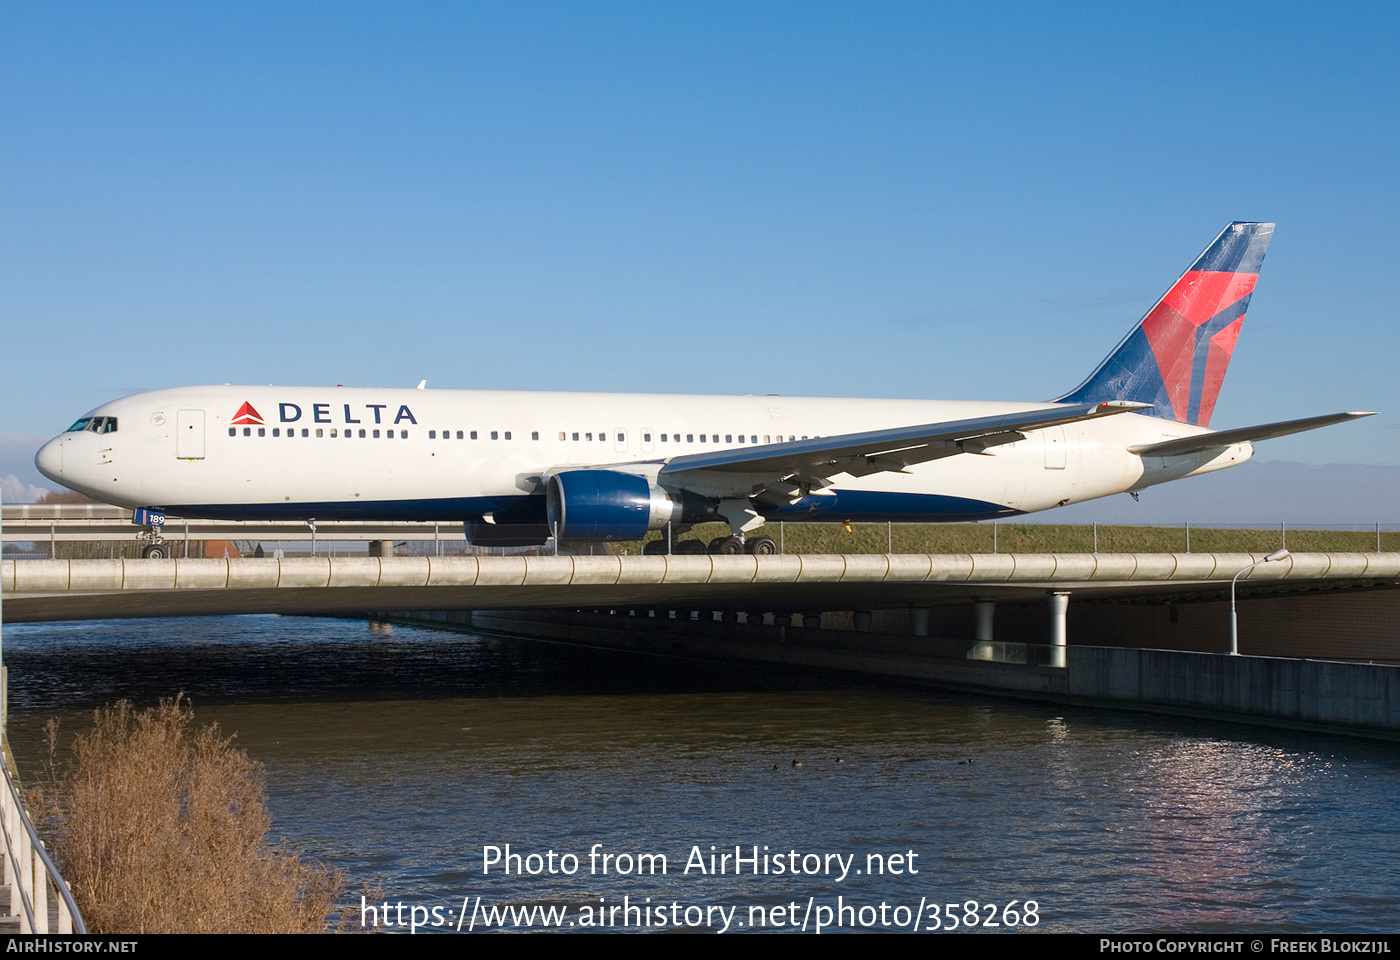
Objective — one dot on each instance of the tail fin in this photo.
(1176, 357)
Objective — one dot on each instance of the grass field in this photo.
(1047, 538)
(933, 538)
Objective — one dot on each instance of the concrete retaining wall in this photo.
(1350, 698)
(1301, 692)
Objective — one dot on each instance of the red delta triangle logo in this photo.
(246, 414)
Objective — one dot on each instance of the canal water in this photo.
(411, 760)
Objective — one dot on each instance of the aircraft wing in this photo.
(1223, 438)
(801, 466)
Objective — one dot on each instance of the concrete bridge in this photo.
(36, 590)
(919, 618)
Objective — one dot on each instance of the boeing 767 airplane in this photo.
(522, 467)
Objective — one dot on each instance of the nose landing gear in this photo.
(152, 520)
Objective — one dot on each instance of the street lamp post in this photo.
(1234, 620)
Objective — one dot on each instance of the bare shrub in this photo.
(160, 828)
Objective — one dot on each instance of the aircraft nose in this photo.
(49, 460)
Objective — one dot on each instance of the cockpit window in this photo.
(95, 424)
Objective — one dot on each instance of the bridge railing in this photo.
(28, 535)
(28, 870)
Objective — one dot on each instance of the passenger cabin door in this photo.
(189, 435)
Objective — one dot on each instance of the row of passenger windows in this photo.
(714, 438)
(320, 432)
(621, 437)
(497, 435)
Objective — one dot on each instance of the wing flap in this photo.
(880, 451)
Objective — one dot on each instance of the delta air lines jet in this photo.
(520, 468)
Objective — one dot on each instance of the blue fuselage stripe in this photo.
(854, 505)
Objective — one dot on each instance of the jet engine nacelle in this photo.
(606, 505)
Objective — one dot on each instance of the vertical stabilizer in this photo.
(1176, 357)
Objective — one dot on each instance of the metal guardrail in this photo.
(63, 529)
(63, 511)
(28, 870)
(63, 522)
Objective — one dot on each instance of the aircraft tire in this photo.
(653, 548)
(156, 551)
(728, 546)
(761, 546)
(690, 547)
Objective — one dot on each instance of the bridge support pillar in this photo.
(1059, 627)
(982, 612)
(381, 548)
(812, 620)
(918, 618)
(861, 620)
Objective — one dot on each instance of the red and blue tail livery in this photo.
(1176, 357)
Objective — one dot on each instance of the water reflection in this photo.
(401, 756)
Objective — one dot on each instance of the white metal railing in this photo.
(28, 870)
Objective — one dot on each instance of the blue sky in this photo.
(909, 200)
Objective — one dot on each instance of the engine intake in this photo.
(606, 505)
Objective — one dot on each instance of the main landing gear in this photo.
(733, 546)
(743, 517)
(678, 547)
(723, 546)
(761, 546)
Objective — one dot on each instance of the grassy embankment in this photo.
(1047, 538)
(955, 538)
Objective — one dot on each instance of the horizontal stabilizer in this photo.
(1223, 438)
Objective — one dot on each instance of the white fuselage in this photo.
(460, 455)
